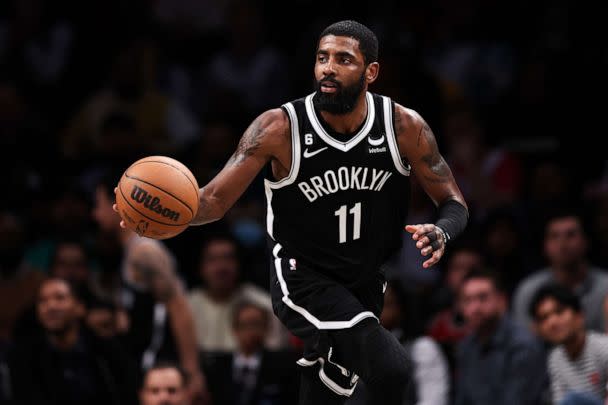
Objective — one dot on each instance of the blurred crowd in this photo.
(514, 314)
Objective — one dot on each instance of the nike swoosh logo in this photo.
(376, 142)
(308, 154)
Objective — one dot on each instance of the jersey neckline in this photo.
(351, 143)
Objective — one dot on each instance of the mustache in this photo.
(329, 79)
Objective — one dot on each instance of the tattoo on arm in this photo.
(249, 143)
(433, 159)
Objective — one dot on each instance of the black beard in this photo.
(342, 101)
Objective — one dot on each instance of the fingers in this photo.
(434, 259)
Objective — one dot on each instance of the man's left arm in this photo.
(418, 145)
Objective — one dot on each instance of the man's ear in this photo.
(371, 72)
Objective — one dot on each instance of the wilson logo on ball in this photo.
(141, 196)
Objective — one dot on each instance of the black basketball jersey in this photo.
(342, 208)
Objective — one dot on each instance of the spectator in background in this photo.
(162, 126)
(18, 284)
(213, 304)
(252, 375)
(63, 363)
(578, 365)
(431, 375)
(503, 247)
(160, 324)
(447, 327)
(164, 384)
(500, 362)
(565, 247)
(489, 176)
(250, 73)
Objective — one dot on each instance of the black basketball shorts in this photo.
(311, 305)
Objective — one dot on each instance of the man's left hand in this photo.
(430, 240)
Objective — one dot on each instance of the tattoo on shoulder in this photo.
(249, 143)
(433, 159)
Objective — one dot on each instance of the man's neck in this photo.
(488, 330)
(220, 297)
(572, 275)
(348, 123)
(66, 339)
(574, 346)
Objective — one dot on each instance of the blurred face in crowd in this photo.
(71, 263)
(163, 386)
(565, 242)
(103, 213)
(391, 313)
(250, 328)
(219, 266)
(482, 305)
(557, 323)
(460, 263)
(58, 310)
(102, 321)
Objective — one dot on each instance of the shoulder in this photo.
(252, 293)
(528, 285)
(599, 275)
(269, 130)
(407, 120)
(426, 349)
(555, 357)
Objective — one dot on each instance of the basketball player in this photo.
(337, 193)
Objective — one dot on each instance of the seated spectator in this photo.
(64, 363)
(447, 326)
(565, 247)
(251, 374)
(500, 362)
(159, 319)
(213, 304)
(164, 384)
(431, 373)
(579, 362)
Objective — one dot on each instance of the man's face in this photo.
(57, 307)
(565, 243)
(250, 329)
(103, 213)
(71, 263)
(481, 303)
(163, 387)
(460, 264)
(340, 74)
(556, 323)
(220, 266)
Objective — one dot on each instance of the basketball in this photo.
(157, 197)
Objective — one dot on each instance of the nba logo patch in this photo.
(292, 264)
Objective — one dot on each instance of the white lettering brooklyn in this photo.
(355, 178)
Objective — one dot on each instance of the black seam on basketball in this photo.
(168, 164)
(141, 213)
(163, 190)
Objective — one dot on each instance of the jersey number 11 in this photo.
(342, 214)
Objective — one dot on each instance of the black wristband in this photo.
(453, 217)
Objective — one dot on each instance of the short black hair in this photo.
(244, 304)
(485, 274)
(559, 293)
(163, 365)
(368, 42)
(563, 211)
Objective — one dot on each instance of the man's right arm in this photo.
(266, 135)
